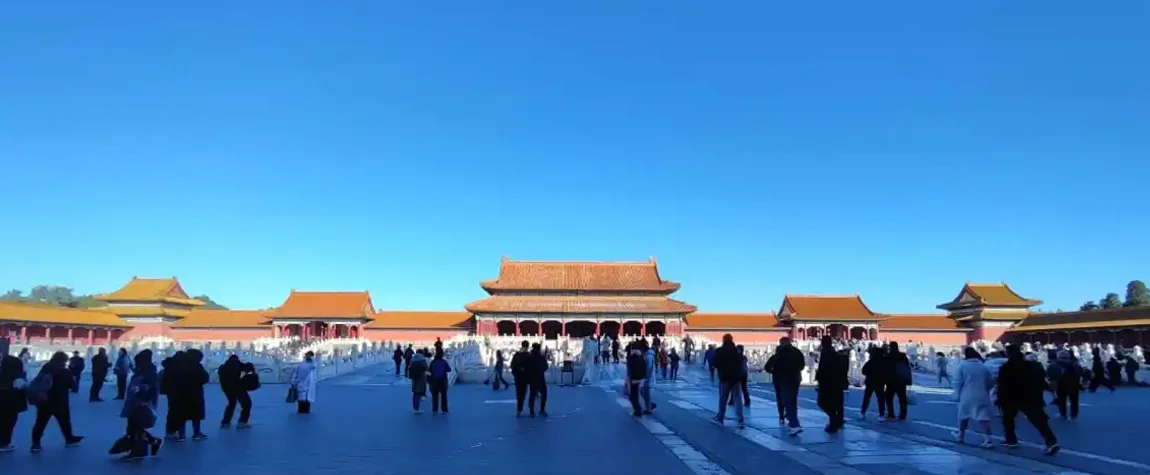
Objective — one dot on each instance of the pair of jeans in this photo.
(438, 394)
(674, 371)
(730, 391)
(97, 385)
(521, 388)
(1037, 418)
(7, 425)
(244, 400)
(645, 393)
(538, 389)
(787, 394)
(892, 390)
(415, 399)
(1064, 395)
(121, 385)
(633, 396)
(832, 401)
(879, 396)
(44, 413)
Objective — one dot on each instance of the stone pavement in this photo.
(1103, 440)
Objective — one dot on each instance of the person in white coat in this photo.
(972, 383)
(303, 379)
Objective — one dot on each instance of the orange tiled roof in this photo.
(151, 290)
(826, 307)
(560, 275)
(148, 311)
(48, 314)
(993, 295)
(697, 321)
(325, 305)
(415, 319)
(1085, 320)
(577, 304)
(201, 318)
(931, 321)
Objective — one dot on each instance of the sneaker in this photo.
(794, 431)
(986, 444)
(172, 436)
(418, 411)
(717, 421)
(74, 441)
(532, 415)
(782, 421)
(135, 456)
(155, 446)
(35, 449)
(958, 436)
(243, 425)
(1009, 445)
(200, 437)
(636, 414)
(181, 438)
(1052, 449)
(742, 425)
(8, 448)
(541, 413)
(225, 425)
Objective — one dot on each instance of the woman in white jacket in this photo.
(303, 379)
(972, 383)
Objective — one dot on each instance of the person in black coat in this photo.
(729, 365)
(13, 400)
(76, 367)
(786, 368)
(169, 376)
(232, 383)
(831, 377)
(100, 366)
(520, 371)
(897, 372)
(56, 403)
(874, 382)
(537, 380)
(1021, 388)
(636, 373)
(193, 377)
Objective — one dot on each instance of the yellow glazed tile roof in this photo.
(151, 290)
(225, 319)
(148, 311)
(48, 314)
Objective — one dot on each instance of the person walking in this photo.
(831, 378)
(497, 373)
(397, 357)
(303, 379)
(943, 364)
(649, 361)
(76, 367)
(235, 381)
(100, 367)
(417, 373)
(143, 395)
(972, 383)
(1065, 376)
(13, 399)
(438, 370)
(49, 393)
(122, 368)
(1098, 372)
(1021, 386)
(520, 371)
(875, 379)
(727, 362)
(537, 380)
(900, 377)
(636, 373)
(786, 368)
(193, 377)
(674, 358)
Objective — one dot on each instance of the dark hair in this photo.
(971, 353)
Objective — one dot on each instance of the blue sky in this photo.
(892, 149)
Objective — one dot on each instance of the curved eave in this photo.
(68, 324)
(490, 286)
(958, 330)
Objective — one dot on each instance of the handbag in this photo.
(144, 416)
(292, 395)
(122, 445)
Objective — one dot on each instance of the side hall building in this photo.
(565, 298)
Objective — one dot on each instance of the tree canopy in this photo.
(1137, 295)
(62, 296)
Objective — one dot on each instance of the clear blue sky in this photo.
(892, 149)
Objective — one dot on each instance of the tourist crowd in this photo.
(139, 384)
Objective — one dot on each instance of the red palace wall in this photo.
(762, 337)
(140, 330)
(219, 334)
(383, 334)
(926, 337)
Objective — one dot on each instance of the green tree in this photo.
(12, 295)
(209, 304)
(1111, 301)
(1088, 306)
(1137, 295)
(53, 294)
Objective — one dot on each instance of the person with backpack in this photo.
(901, 377)
(437, 381)
(236, 379)
(143, 395)
(48, 392)
(13, 399)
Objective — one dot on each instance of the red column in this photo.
(562, 328)
(517, 330)
(24, 334)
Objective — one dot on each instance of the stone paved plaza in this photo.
(362, 423)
